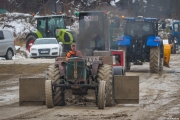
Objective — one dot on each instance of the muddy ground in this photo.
(159, 95)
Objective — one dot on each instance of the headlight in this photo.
(33, 49)
(56, 48)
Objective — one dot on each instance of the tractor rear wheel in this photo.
(105, 73)
(127, 64)
(154, 59)
(48, 92)
(53, 73)
(30, 40)
(102, 95)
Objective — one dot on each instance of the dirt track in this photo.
(159, 99)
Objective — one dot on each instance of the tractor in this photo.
(174, 36)
(52, 26)
(141, 43)
(100, 69)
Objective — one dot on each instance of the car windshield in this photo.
(45, 41)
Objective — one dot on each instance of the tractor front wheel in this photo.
(105, 73)
(53, 73)
(48, 92)
(102, 95)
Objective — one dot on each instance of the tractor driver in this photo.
(73, 52)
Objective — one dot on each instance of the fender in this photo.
(31, 33)
(38, 33)
(153, 41)
(118, 70)
(64, 36)
(124, 40)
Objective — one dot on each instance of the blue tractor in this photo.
(141, 43)
(174, 36)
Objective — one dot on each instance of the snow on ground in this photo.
(19, 23)
(21, 53)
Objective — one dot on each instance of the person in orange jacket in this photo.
(73, 52)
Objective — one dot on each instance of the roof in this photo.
(48, 16)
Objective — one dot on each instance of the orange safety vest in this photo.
(71, 54)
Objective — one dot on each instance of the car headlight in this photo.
(33, 49)
(56, 48)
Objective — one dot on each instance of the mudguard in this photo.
(39, 35)
(153, 41)
(31, 33)
(124, 40)
(64, 36)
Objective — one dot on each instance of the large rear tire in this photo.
(53, 73)
(127, 64)
(154, 59)
(30, 40)
(102, 95)
(48, 92)
(105, 73)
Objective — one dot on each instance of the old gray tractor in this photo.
(101, 69)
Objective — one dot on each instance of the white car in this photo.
(46, 47)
